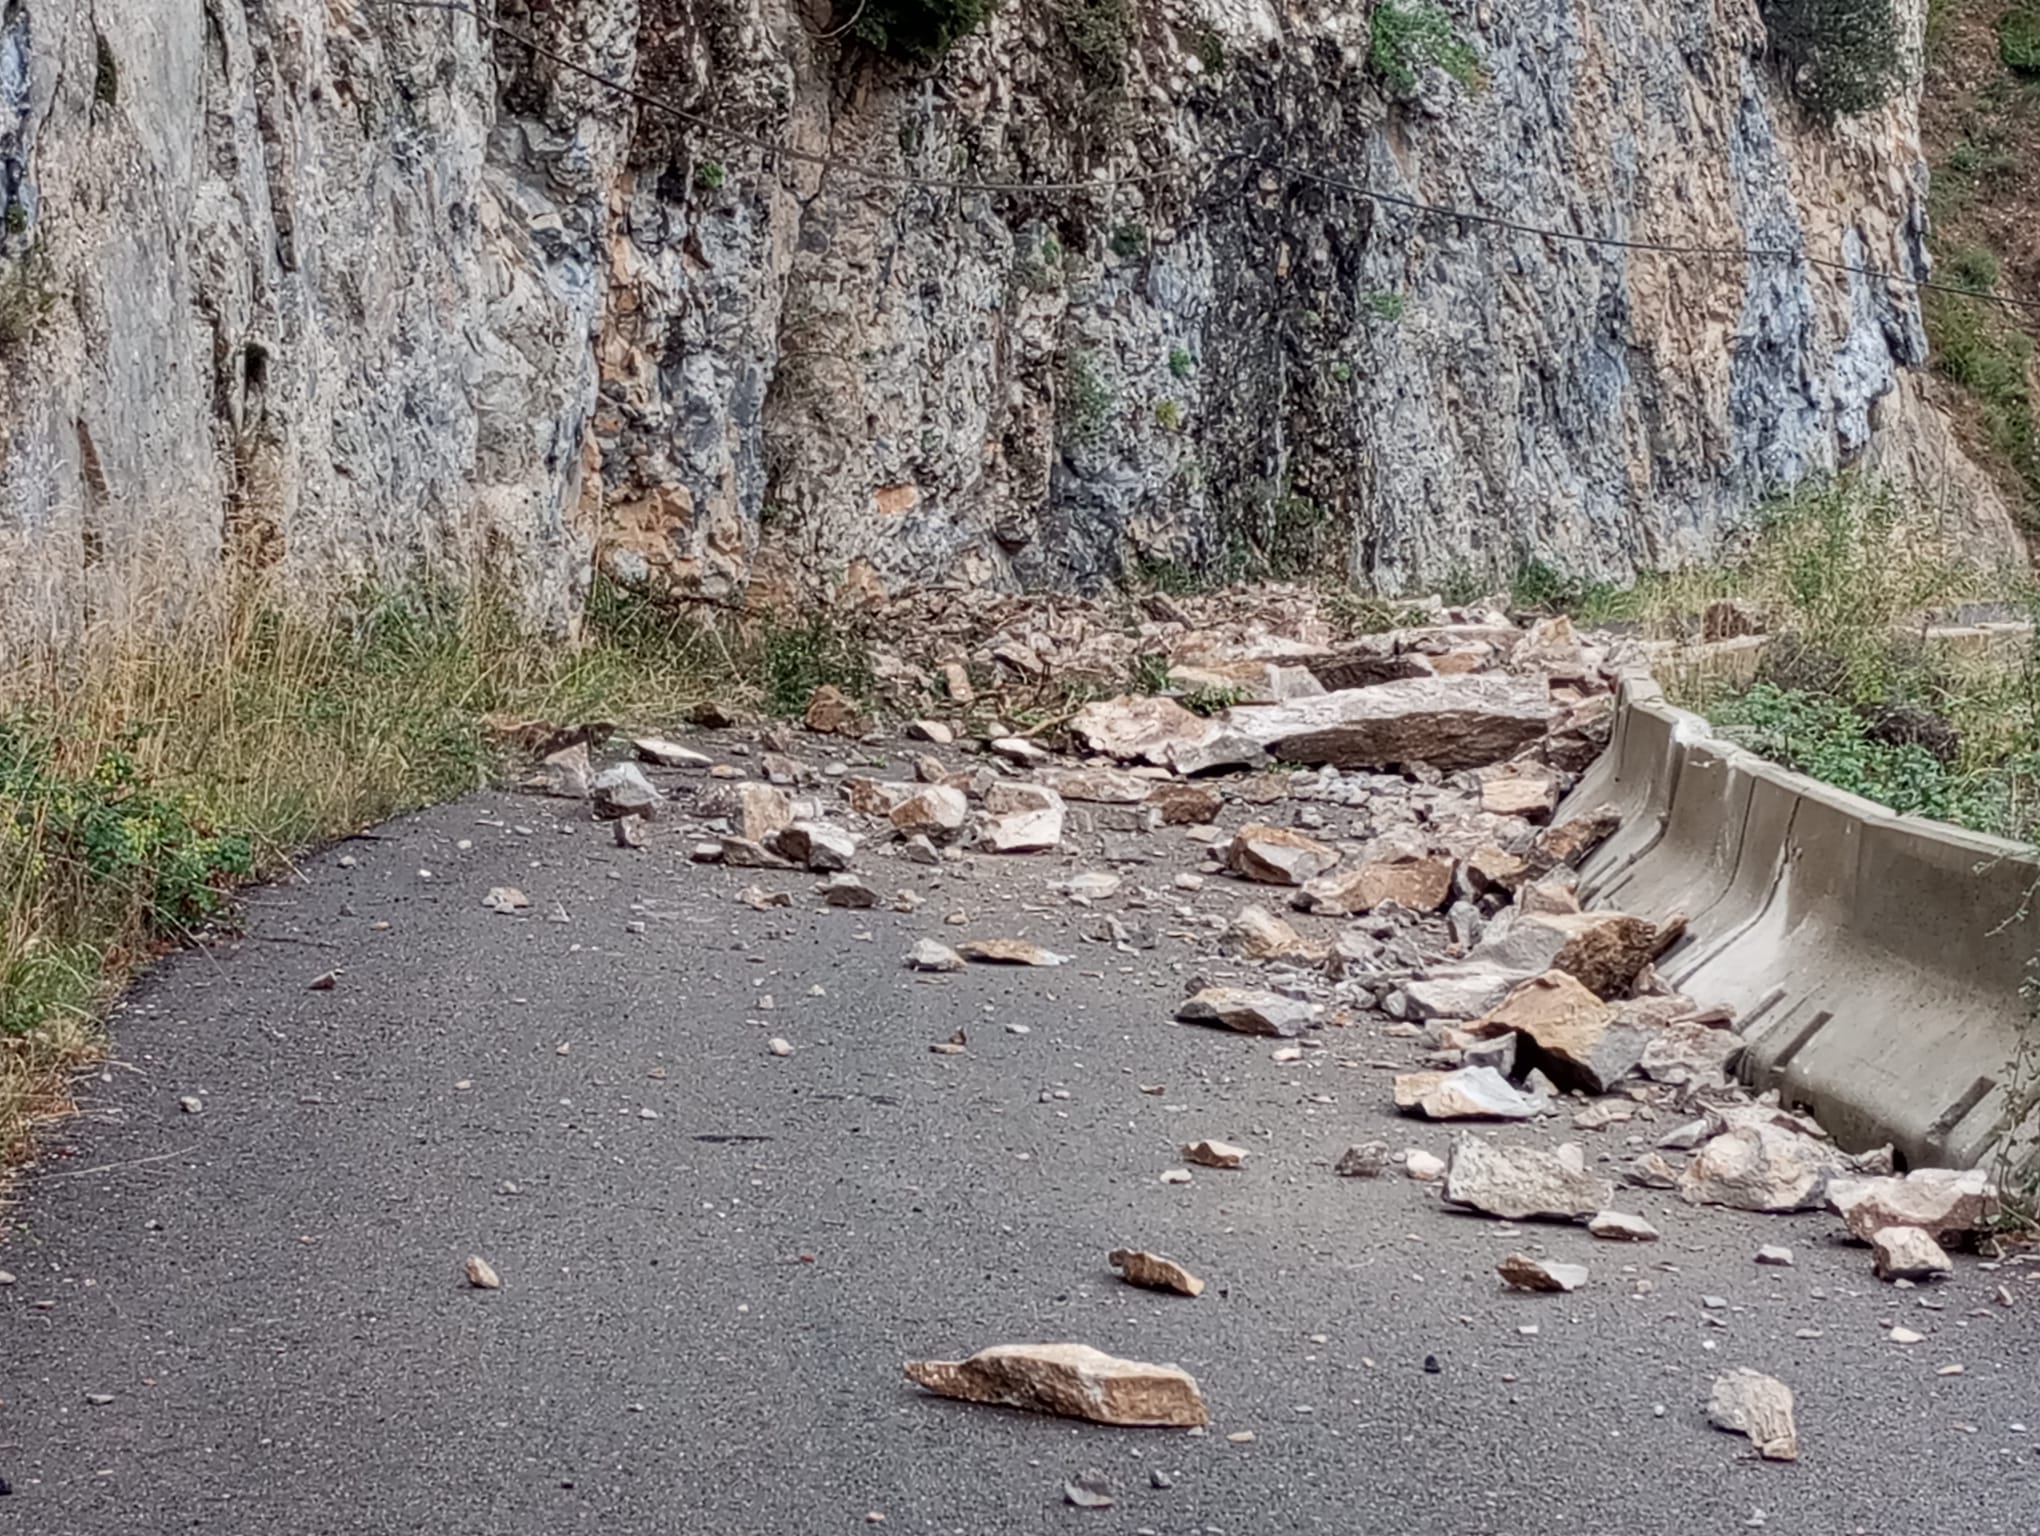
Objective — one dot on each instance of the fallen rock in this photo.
(1278, 855)
(1907, 1253)
(1573, 839)
(758, 899)
(1258, 934)
(1018, 749)
(481, 1275)
(1214, 1154)
(1073, 1380)
(760, 811)
(564, 773)
(1154, 1272)
(668, 754)
(1521, 1183)
(1416, 882)
(831, 712)
(1523, 789)
(1579, 1041)
(935, 811)
(1424, 1167)
(1185, 805)
(1093, 1490)
(1008, 952)
(1470, 1093)
(927, 955)
(1248, 1012)
(932, 731)
(1489, 868)
(1092, 885)
(506, 898)
(1459, 992)
(1524, 1273)
(1761, 1168)
(874, 797)
(779, 1046)
(1136, 729)
(817, 845)
(1021, 818)
(1446, 722)
(1747, 1402)
(846, 890)
(1775, 1256)
(1604, 951)
(1099, 786)
(742, 853)
(1651, 1171)
(1940, 1202)
(1689, 1054)
(623, 790)
(1620, 1227)
(1363, 1160)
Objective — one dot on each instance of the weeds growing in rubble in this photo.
(144, 774)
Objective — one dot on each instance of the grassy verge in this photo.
(141, 781)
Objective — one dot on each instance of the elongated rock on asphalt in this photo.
(1072, 1380)
(623, 790)
(1278, 855)
(1154, 1272)
(1448, 722)
(1762, 1168)
(1521, 1183)
(1747, 1402)
(1420, 882)
(1941, 1202)
(1470, 1093)
(1907, 1253)
(1523, 1273)
(1008, 952)
(1248, 1012)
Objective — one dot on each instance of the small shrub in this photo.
(1383, 305)
(1085, 408)
(1128, 241)
(1404, 39)
(1169, 415)
(1181, 363)
(2019, 40)
(27, 294)
(1150, 670)
(1039, 266)
(1210, 50)
(821, 650)
(1840, 57)
(1974, 267)
(711, 175)
(1991, 359)
(1100, 32)
(919, 31)
(1211, 701)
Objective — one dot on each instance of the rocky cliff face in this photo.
(324, 286)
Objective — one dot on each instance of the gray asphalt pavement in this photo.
(714, 1260)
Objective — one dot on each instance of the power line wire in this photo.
(730, 134)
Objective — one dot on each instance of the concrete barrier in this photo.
(1875, 961)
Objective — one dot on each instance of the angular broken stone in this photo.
(623, 790)
(1579, 1041)
(1651, 1171)
(1424, 1167)
(846, 890)
(1248, 1012)
(1775, 1256)
(817, 845)
(1446, 722)
(1258, 934)
(1091, 1491)
(1460, 991)
(930, 730)
(927, 955)
(1907, 1253)
(742, 853)
(1685, 1054)
(1574, 838)
(1603, 950)
(564, 773)
(758, 899)
(1746, 1402)
(1524, 1273)
(1214, 1154)
(1363, 1160)
(1470, 1093)
(481, 1275)
(1762, 1168)
(1524, 790)
(1940, 1202)
(1620, 1227)
(779, 1047)
(761, 811)
(874, 797)
(830, 712)
(1134, 729)
(1008, 952)
(1099, 786)
(1073, 1380)
(934, 810)
(1417, 882)
(1521, 1183)
(1278, 855)
(1154, 1272)
(506, 898)
(668, 754)
(1021, 818)
(1092, 885)
(1018, 749)
(1185, 805)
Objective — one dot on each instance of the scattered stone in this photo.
(506, 898)
(1099, 786)
(1940, 1202)
(480, 1275)
(1363, 1160)
(1214, 1154)
(1746, 1402)
(191, 1104)
(564, 773)
(1498, 1053)
(1415, 882)
(930, 730)
(1154, 1272)
(1775, 1255)
(1621, 1227)
(1093, 885)
(1158, 1479)
(830, 712)
(1018, 749)
(758, 899)
(1175, 1175)
(1489, 868)
(668, 754)
(1131, 728)
(1578, 1040)
(927, 955)
(1905, 1336)
(779, 1047)
(846, 890)
(1603, 950)
(1278, 855)
(955, 1045)
(1021, 818)
(1448, 723)
(1008, 952)
(1524, 1273)
(1072, 1380)
(1459, 992)
(1091, 1491)
(1574, 838)
(817, 845)
(1684, 1054)
(1520, 1183)
(874, 797)
(1651, 1171)
(1907, 1253)
(1258, 934)
(1522, 789)
(1422, 1166)
(742, 853)
(1184, 805)
(935, 811)
(623, 790)
(1248, 1012)
(1602, 1113)
(1761, 1167)
(1470, 1093)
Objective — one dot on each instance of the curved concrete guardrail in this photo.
(1875, 961)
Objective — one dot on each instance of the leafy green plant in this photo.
(1149, 673)
(1128, 240)
(710, 175)
(1840, 57)
(1169, 415)
(1976, 346)
(1383, 304)
(1406, 38)
(821, 650)
(1100, 32)
(1974, 267)
(1086, 405)
(1181, 364)
(918, 31)
(1039, 265)
(2019, 39)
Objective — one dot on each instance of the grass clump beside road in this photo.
(142, 779)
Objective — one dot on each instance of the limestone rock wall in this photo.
(322, 287)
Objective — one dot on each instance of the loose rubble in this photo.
(1746, 1402)
(1153, 1272)
(1072, 1380)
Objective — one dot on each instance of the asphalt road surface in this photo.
(252, 1318)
